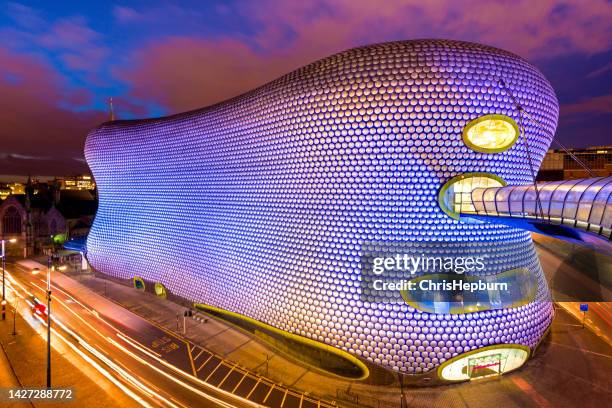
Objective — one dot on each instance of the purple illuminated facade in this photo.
(260, 205)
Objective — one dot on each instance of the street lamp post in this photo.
(49, 322)
(35, 272)
(3, 273)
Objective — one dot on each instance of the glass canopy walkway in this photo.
(570, 208)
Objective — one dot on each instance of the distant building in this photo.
(42, 217)
(559, 165)
(6, 189)
(83, 182)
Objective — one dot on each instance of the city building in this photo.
(82, 182)
(560, 165)
(267, 209)
(6, 189)
(42, 217)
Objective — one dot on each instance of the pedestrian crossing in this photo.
(230, 377)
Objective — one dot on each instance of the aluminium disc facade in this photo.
(260, 205)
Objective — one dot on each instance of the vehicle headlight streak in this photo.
(141, 387)
(149, 352)
(119, 370)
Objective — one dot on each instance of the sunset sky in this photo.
(60, 61)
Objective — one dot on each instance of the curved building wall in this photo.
(260, 205)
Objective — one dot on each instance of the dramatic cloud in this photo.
(58, 68)
(182, 73)
(533, 29)
(38, 135)
(597, 105)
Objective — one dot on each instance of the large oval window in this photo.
(491, 133)
(455, 196)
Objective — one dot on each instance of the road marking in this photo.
(240, 382)
(284, 397)
(213, 371)
(161, 361)
(253, 389)
(199, 354)
(137, 342)
(204, 363)
(529, 390)
(191, 359)
(269, 392)
(227, 375)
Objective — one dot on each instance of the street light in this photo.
(13, 240)
(36, 271)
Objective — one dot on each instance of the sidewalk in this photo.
(8, 379)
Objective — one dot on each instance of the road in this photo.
(136, 369)
(571, 367)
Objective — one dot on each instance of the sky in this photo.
(60, 61)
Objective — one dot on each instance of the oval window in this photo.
(521, 289)
(485, 362)
(455, 196)
(491, 133)
(139, 283)
(160, 290)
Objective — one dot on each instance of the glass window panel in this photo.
(597, 213)
(516, 200)
(584, 209)
(569, 210)
(556, 209)
(490, 133)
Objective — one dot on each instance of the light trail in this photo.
(85, 357)
(179, 371)
(176, 380)
(133, 343)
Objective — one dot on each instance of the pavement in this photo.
(8, 377)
